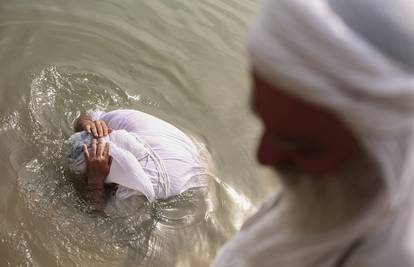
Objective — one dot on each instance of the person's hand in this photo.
(98, 163)
(97, 128)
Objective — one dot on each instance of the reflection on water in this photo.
(178, 60)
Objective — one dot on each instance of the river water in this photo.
(183, 61)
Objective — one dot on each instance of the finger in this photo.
(85, 152)
(99, 127)
(109, 161)
(101, 147)
(93, 147)
(106, 150)
(104, 128)
(88, 128)
(93, 128)
(110, 130)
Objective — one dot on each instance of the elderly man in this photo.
(136, 153)
(333, 83)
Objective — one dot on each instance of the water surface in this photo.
(183, 61)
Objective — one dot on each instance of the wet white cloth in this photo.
(305, 48)
(126, 151)
(150, 156)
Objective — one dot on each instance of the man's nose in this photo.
(272, 155)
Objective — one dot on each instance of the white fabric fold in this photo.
(304, 47)
(126, 169)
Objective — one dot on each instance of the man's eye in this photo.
(296, 145)
(286, 143)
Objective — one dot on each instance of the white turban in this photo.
(315, 50)
(307, 48)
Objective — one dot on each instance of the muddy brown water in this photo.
(183, 61)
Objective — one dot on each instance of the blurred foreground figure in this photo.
(333, 83)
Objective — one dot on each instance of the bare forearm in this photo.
(95, 195)
(79, 122)
(98, 164)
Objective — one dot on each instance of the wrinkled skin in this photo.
(97, 159)
(97, 128)
(98, 162)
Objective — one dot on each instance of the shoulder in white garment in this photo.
(263, 241)
(172, 162)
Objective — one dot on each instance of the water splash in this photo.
(153, 234)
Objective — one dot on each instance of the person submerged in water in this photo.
(133, 153)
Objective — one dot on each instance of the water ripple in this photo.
(180, 60)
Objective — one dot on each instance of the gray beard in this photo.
(315, 203)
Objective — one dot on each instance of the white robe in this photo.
(150, 156)
(263, 242)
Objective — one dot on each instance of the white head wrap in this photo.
(314, 50)
(306, 47)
